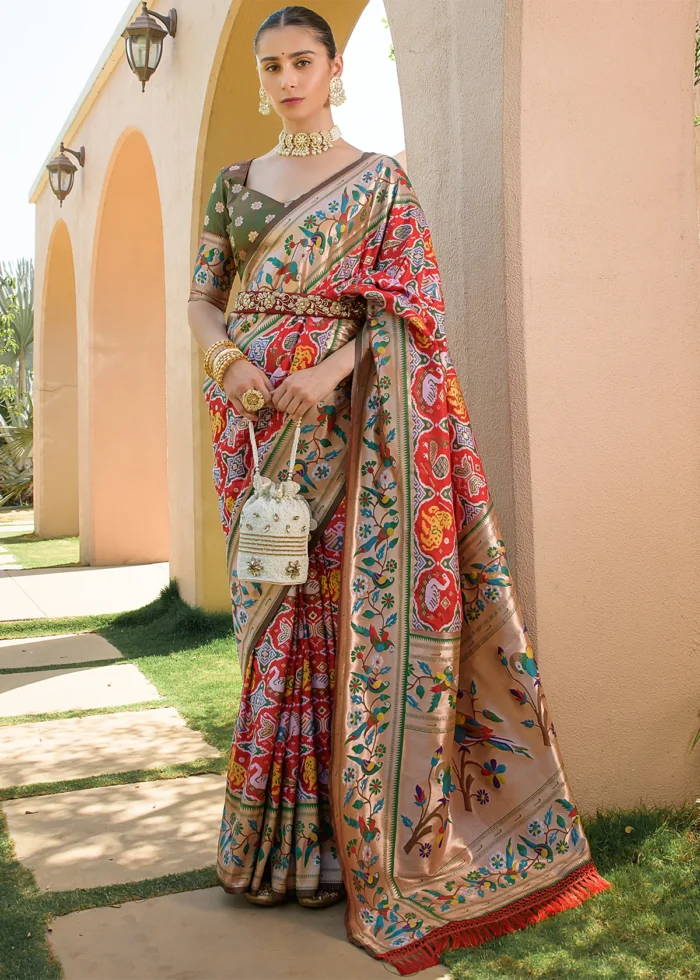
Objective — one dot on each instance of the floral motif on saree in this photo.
(393, 725)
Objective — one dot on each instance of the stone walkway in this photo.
(47, 593)
(136, 831)
(19, 521)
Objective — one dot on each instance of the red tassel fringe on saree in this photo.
(393, 730)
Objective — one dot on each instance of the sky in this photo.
(50, 49)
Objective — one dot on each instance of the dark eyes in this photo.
(301, 62)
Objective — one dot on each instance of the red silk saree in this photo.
(393, 731)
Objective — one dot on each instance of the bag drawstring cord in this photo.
(292, 457)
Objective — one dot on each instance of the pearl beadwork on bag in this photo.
(275, 526)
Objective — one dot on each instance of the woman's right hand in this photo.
(239, 377)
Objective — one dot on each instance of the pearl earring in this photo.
(264, 103)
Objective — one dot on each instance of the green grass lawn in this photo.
(32, 552)
(646, 927)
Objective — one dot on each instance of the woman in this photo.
(393, 738)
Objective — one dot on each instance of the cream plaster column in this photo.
(56, 391)
(449, 57)
(610, 314)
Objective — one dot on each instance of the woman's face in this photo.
(292, 64)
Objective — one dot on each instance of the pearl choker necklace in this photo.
(302, 144)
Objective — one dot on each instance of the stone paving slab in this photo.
(209, 935)
(37, 691)
(8, 560)
(10, 514)
(84, 590)
(54, 651)
(15, 603)
(69, 748)
(116, 834)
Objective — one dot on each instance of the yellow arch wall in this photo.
(56, 395)
(128, 511)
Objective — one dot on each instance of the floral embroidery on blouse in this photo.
(232, 222)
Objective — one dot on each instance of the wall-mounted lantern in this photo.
(144, 41)
(62, 171)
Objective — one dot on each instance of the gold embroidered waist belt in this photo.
(304, 304)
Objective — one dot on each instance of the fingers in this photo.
(282, 400)
(266, 386)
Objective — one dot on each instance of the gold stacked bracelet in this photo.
(219, 356)
(219, 345)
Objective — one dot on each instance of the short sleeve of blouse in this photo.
(214, 269)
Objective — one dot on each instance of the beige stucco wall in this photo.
(558, 178)
(610, 315)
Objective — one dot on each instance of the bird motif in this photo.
(432, 593)
(382, 498)
(380, 641)
(524, 662)
(385, 532)
(443, 682)
(368, 767)
(256, 776)
(468, 731)
(541, 849)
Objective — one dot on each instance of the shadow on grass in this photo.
(167, 625)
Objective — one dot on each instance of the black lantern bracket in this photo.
(78, 154)
(169, 20)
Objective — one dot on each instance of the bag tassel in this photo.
(571, 891)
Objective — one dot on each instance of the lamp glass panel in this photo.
(54, 179)
(66, 180)
(139, 43)
(155, 53)
(129, 57)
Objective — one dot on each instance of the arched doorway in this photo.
(127, 513)
(56, 396)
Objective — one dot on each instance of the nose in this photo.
(289, 81)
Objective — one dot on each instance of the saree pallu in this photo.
(399, 684)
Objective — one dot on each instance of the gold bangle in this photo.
(214, 351)
(224, 362)
(229, 354)
(211, 350)
(220, 356)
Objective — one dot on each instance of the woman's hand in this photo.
(239, 377)
(302, 389)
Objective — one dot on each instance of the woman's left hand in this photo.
(303, 388)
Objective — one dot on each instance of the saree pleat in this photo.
(393, 729)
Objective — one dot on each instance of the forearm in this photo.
(341, 362)
(207, 323)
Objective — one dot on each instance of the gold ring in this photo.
(252, 400)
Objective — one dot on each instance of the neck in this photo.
(311, 124)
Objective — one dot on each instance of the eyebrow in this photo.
(294, 54)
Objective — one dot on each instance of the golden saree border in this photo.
(405, 811)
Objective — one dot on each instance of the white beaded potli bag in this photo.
(276, 523)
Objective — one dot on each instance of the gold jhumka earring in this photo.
(264, 103)
(337, 92)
